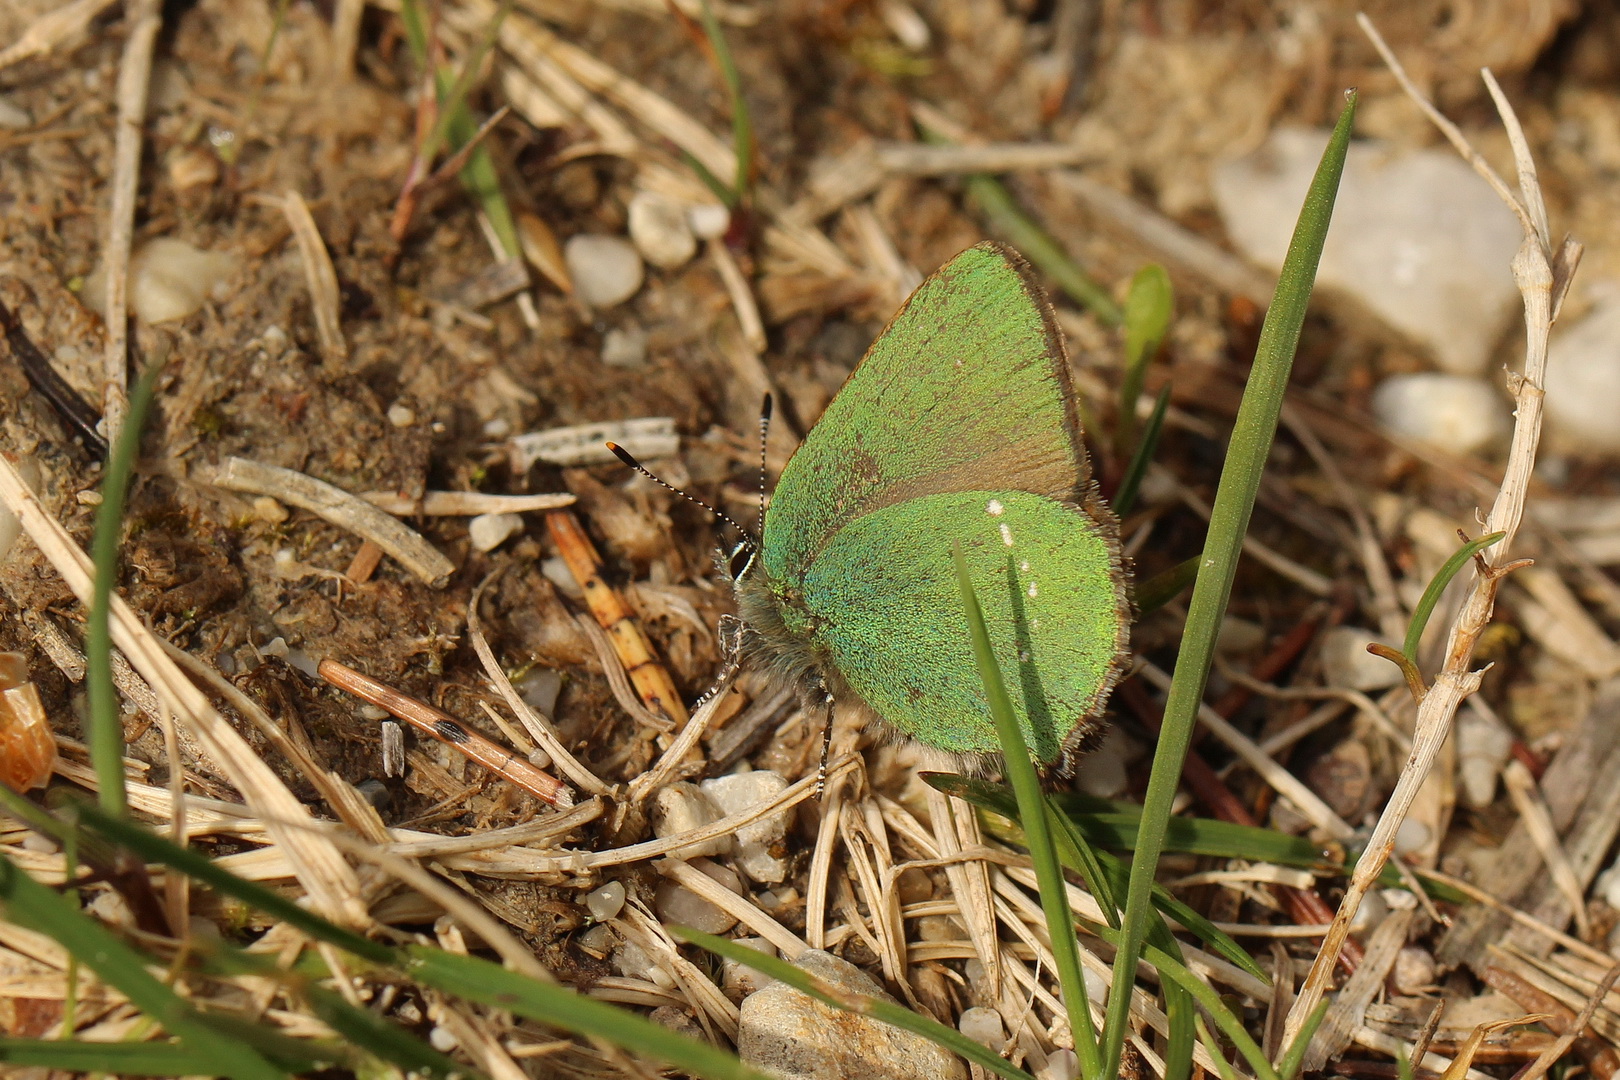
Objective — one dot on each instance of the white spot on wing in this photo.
(1032, 590)
(994, 508)
(1024, 566)
(1006, 535)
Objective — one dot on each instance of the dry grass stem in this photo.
(145, 18)
(1533, 270)
(321, 278)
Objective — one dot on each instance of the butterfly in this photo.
(957, 429)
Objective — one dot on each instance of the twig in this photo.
(321, 277)
(1533, 269)
(343, 510)
(145, 18)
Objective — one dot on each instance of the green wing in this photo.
(884, 607)
(967, 388)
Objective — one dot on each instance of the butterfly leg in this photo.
(730, 632)
(820, 688)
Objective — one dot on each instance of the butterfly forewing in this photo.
(967, 388)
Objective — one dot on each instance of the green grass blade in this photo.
(1148, 307)
(106, 726)
(117, 1058)
(1009, 219)
(152, 848)
(1032, 811)
(1181, 1016)
(1076, 851)
(27, 903)
(476, 979)
(1231, 1025)
(1222, 1066)
(742, 128)
(453, 99)
(1141, 458)
(1112, 872)
(1431, 595)
(1293, 1059)
(1160, 589)
(1252, 434)
(887, 1011)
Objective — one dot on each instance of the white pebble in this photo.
(1061, 1064)
(680, 808)
(401, 415)
(539, 689)
(489, 531)
(761, 853)
(606, 902)
(1414, 970)
(624, 347)
(1483, 747)
(606, 270)
(740, 980)
(680, 906)
(1417, 237)
(442, 1039)
(709, 221)
(1583, 383)
(660, 229)
(983, 1026)
(498, 428)
(168, 279)
(1103, 773)
(1453, 412)
(598, 940)
(1346, 661)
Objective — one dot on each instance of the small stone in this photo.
(442, 1039)
(1412, 836)
(401, 415)
(632, 961)
(1346, 661)
(682, 807)
(605, 903)
(539, 689)
(983, 1026)
(1061, 1064)
(1414, 970)
(624, 347)
(193, 168)
(606, 270)
(740, 980)
(709, 221)
(168, 279)
(760, 849)
(597, 941)
(1583, 382)
(661, 231)
(1103, 773)
(89, 497)
(489, 531)
(678, 1019)
(1458, 413)
(269, 510)
(677, 905)
(498, 428)
(1483, 747)
(793, 1036)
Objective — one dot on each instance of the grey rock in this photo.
(793, 1036)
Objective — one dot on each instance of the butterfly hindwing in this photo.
(886, 610)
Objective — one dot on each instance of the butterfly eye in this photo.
(740, 559)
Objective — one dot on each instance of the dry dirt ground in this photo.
(250, 101)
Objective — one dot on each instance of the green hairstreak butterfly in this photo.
(959, 427)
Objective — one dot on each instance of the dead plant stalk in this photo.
(1542, 276)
